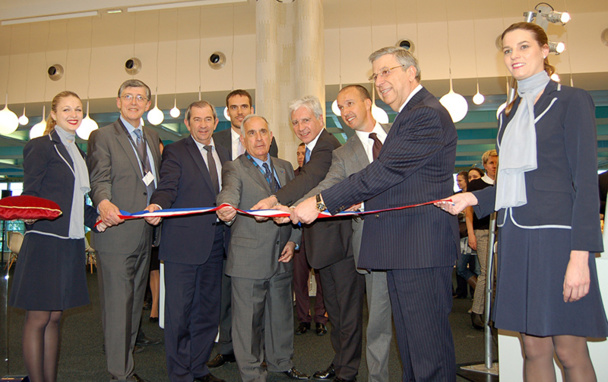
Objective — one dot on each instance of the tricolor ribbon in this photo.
(172, 212)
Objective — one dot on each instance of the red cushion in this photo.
(28, 207)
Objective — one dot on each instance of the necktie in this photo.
(307, 156)
(212, 169)
(143, 158)
(377, 145)
(274, 186)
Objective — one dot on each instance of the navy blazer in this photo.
(415, 165)
(48, 172)
(562, 191)
(330, 240)
(185, 183)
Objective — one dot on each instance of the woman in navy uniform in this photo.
(50, 274)
(547, 203)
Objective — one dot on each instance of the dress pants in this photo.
(483, 239)
(224, 343)
(301, 274)
(379, 326)
(343, 291)
(263, 325)
(421, 300)
(192, 299)
(122, 281)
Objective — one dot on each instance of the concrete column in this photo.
(289, 63)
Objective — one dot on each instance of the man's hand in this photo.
(283, 220)
(265, 204)
(458, 204)
(153, 220)
(226, 213)
(305, 212)
(287, 253)
(354, 207)
(577, 279)
(100, 226)
(109, 213)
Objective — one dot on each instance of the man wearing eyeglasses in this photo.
(416, 246)
(123, 161)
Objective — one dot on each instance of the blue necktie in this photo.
(307, 156)
(272, 182)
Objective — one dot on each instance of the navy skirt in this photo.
(529, 294)
(50, 274)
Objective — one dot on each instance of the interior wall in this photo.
(472, 50)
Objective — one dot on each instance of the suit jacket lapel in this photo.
(123, 140)
(255, 173)
(197, 157)
(359, 153)
(280, 172)
(62, 150)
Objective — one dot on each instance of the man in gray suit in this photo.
(356, 108)
(123, 160)
(259, 259)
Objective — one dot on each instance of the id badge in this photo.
(149, 178)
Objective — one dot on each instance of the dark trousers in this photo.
(301, 273)
(344, 288)
(421, 301)
(224, 343)
(192, 300)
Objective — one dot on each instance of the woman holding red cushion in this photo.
(50, 274)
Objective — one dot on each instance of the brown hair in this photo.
(541, 38)
(50, 122)
(239, 92)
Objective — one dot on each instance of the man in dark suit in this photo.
(328, 243)
(360, 150)
(239, 105)
(123, 161)
(417, 246)
(259, 259)
(192, 247)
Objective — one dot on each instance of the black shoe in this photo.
(154, 319)
(338, 379)
(321, 329)
(302, 328)
(477, 321)
(326, 374)
(294, 373)
(208, 378)
(137, 378)
(143, 340)
(220, 359)
(138, 349)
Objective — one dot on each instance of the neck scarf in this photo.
(81, 183)
(518, 146)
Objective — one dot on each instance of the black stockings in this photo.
(41, 344)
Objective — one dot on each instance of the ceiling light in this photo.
(556, 47)
(38, 129)
(87, 126)
(49, 18)
(156, 116)
(24, 120)
(8, 120)
(335, 109)
(175, 112)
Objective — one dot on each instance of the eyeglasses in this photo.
(130, 97)
(383, 73)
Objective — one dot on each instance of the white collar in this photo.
(311, 145)
(413, 93)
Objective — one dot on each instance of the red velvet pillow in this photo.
(28, 207)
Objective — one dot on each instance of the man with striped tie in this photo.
(259, 259)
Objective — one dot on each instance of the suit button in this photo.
(377, 215)
(278, 242)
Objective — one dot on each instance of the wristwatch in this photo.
(320, 205)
